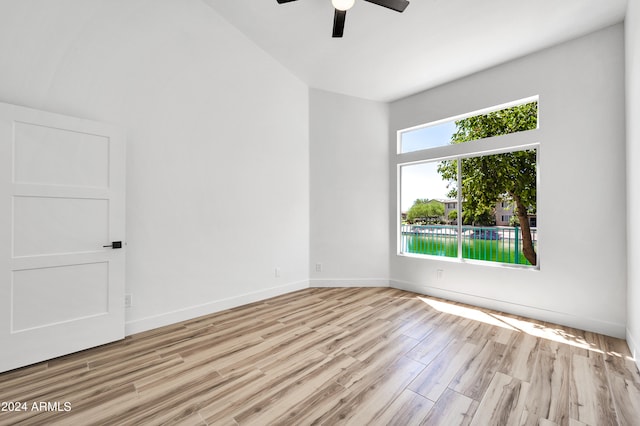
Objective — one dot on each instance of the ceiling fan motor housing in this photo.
(341, 7)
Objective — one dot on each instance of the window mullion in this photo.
(459, 173)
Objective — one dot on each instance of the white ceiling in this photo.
(385, 55)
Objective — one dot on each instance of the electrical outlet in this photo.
(128, 300)
(277, 272)
(318, 267)
(439, 273)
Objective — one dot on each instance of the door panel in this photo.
(34, 290)
(51, 225)
(50, 155)
(61, 200)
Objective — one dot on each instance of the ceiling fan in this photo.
(342, 6)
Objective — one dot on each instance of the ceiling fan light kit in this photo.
(343, 4)
(341, 7)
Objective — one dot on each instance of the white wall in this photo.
(632, 28)
(349, 190)
(582, 276)
(217, 131)
(219, 139)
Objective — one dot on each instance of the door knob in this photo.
(115, 245)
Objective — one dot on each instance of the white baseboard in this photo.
(634, 348)
(336, 282)
(149, 323)
(589, 324)
(561, 318)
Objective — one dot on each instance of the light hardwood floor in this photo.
(358, 356)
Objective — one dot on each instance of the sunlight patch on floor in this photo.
(465, 312)
(516, 324)
(545, 332)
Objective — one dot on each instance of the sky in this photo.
(423, 180)
(428, 137)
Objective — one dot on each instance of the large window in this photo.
(473, 198)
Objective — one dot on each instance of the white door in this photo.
(61, 200)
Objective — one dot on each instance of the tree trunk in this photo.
(527, 243)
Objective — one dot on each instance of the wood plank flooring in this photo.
(357, 356)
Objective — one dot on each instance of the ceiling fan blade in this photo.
(397, 5)
(284, 1)
(338, 22)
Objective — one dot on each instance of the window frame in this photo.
(523, 140)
